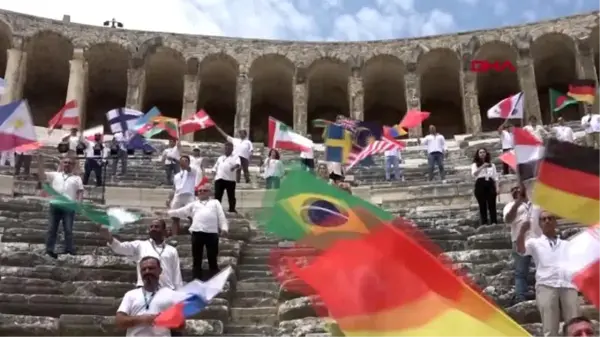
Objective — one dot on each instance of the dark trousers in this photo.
(221, 186)
(92, 165)
(211, 242)
(22, 161)
(170, 171)
(521, 264)
(245, 164)
(308, 164)
(273, 183)
(121, 156)
(57, 215)
(505, 168)
(436, 159)
(485, 193)
(175, 333)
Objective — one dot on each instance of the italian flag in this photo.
(582, 263)
(559, 101)
(283, 137)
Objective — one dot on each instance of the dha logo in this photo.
(485, 66)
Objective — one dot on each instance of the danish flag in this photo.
(200, 121)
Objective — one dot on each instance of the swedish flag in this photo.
(338, 143)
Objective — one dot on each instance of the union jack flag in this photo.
(375, 147)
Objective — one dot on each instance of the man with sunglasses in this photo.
(554, 290)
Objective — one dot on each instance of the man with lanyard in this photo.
(140, 306)
(69, 185)
(156, 247)
(95, 158)
(184, 189)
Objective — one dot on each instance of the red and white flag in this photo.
(582, 263)
(528, 152)
(509, 108)
(91, 133)
(378, 146)
(200, 121)
(283, 137)
(67, 117)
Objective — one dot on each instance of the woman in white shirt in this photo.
(208, 222)
(273, 170)
(485, 189)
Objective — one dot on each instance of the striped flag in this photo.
(378, 146)
(347, 123)
(67, 116)
(528, 151)
(582, 263)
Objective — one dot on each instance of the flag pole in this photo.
(550, 106)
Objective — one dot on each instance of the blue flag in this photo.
(138, 142)
(338, 143)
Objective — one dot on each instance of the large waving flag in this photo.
(508, 108)
(122, 119)
(144, 124)
(378, 146)
(528, 151)
(191, 299)
(413, 118)
(168, 124)
(283, 137)
(338, 143)
(199, 121)
(66, 117)
(568, 182)
(16, 126)
(583, 91)
(558, 101)
(582, 263)
(385, 284)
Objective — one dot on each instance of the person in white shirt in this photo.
(184, 185)
(70, 186)
(591, 124)
(95, 158)
(486, 189)
(553, 288)
(72, 140)
(7, 157)
(436, 150)
(197, 163)
(308, 158)
(273, 170)
(170, 158)
(225, 176)
(140, 306)
(155, 246)
(536, 129)
(562, 132)
(506, 140)
(393, 159)
(242, 148)
(119, 152)
(208, 223)
(515, 214)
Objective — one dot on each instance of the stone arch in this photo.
(5, 44)
(165, 69)
(594, 42)
(48, 56)
(439, 71)
(555, 68)
(108, 63)
(383, 83)
(327, 91)
(272, 76)
(218, 93)
(493, 86)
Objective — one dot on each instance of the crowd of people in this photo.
(533, 231)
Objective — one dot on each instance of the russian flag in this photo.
(191, 299)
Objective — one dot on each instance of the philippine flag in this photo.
(191, 299)
(16, 126)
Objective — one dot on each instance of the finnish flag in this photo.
(122, 119)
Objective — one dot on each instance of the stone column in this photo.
(76, 87)
(356, 95)
(299, 92)
(14, 76)
(526, 74)
(412, 94)
(586, 68)
(191, 86)
(244, 102)
(470, 103)
(136, 87)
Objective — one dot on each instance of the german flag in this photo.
(583, 91)
(568, 182)
(386, 283)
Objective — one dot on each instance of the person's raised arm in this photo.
(183, 212)
(128, 248)
(223, 133)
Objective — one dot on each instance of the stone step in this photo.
(256, 315)
(249, 330)
(250, 302)
(253, 274)
(253, 267)
(86, 325)
(57, 305)
(253, 285)
(239, 293)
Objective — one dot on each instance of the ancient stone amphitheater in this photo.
(240, 82)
